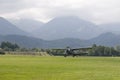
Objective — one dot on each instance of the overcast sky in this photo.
(97, 11)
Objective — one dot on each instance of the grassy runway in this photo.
(59, 68)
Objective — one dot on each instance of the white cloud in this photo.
(98, 11)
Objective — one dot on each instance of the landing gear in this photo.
(74, 55)
(65, 55)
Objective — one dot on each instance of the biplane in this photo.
(75, 51)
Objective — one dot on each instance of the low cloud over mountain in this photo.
(67, 27)
(28, 25)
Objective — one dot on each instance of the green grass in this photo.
(59, 68)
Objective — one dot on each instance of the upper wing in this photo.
(82, 48)
(88, 48)
(58, 49)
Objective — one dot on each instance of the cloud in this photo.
(97, 11)
(7, 6)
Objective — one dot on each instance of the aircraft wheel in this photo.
(65, 55)
(74, 55)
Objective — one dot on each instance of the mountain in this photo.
(111, 27)
(59, 33)
(27, 25)
(7, 28)
(106, 39)
(67, 27)
(31, 42)
(23, 41)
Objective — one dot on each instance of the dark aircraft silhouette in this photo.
(75, 52)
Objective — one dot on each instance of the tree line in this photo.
(94, 51)
(13, 47)
(104, 51)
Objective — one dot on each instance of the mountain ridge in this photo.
(65, 27)
(110, 39)
(7, 28)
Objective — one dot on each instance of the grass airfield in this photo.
(59, 68)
